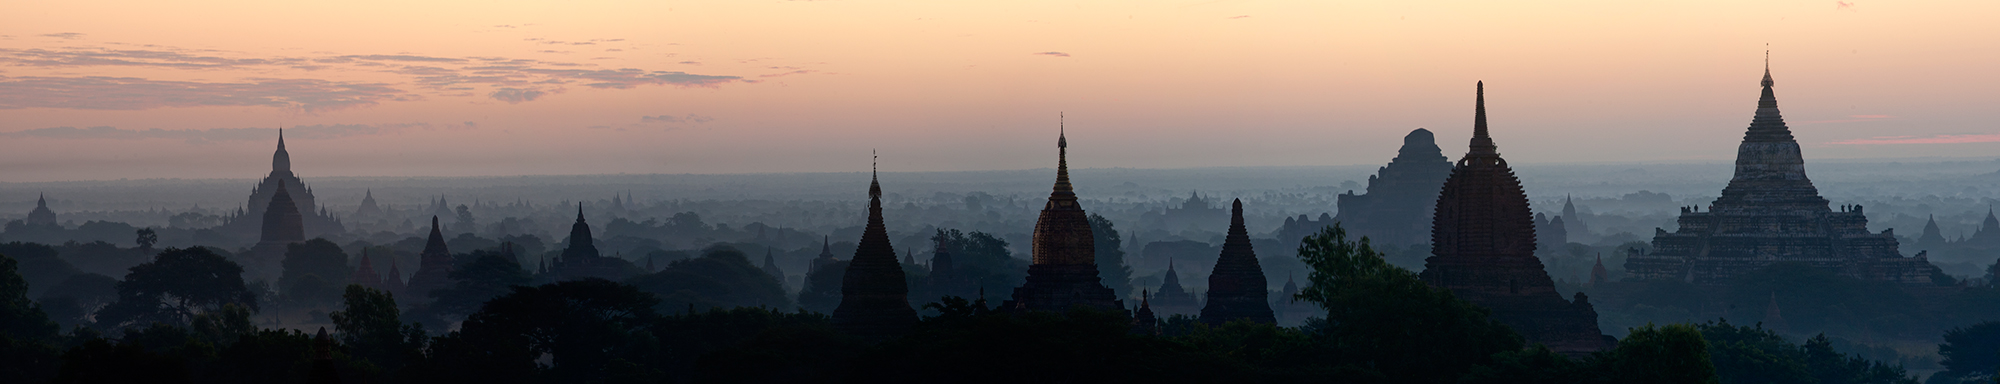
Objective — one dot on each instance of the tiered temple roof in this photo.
(1174, 298)
(1483, 247)
(875, 298)
(582, 260)
(312, 220)
(1064, 269)
(1237, 289)
(1771, 213)
(41, 215)
(433, 269)
(1399, 196)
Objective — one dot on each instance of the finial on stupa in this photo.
(1767, 67)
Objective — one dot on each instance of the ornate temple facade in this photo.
(313, 217)
(1237, 289)
(874, 297)
(1483, 250)
(433, 269)
(1399, 196)
(1771, 213)
(1064, 269)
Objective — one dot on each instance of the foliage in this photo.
(176, 285)
(1753, 354)
(722, 277)
(20, 318)
(1670, 354)
(39, 265)
(985, 259)
(314, 271)
(489, 274)
(371, 328)
(1971, 353)
(1382, 316)
(76, 299)
(582, 325)
(1111, 266)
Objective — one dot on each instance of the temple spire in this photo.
(1062, 157)
(281, 162)
(1482, 143)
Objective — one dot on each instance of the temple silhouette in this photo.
(1064, 269)
(1236, 289)
(1483, 250)
(874, 296)
(42, 215)
(1399, 196)
(1771, 213)
(582, 260)
(433, 269)
(249, 221)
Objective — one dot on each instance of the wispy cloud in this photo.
(211, 135)
(128, 93)
(517, 96)
(671, 119)
(64, 35)
(1842, 5)
(1936, 139)
(1053, 53)
(1238, 17)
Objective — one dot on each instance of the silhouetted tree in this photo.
(1383, 317)
(146, 239)
(583, 326)
(1110, 256)
(374, 333)
(822, 288)
(175, 286)
(39, 265)
(489, 275)
(314, 272)
(20, 319)
(74, 300)
(1971, 353)
(722, 277)
(1669, 354)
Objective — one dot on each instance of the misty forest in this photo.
(1444, 264)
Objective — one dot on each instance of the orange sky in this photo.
(192, 89)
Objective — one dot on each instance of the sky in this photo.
(95, 90)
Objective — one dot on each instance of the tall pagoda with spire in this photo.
(1771, 213)
(874, 296)
(1064, 269)
(1483, 250)
(582, 260)
(315, 221)
(433, 267)
(1237, 289)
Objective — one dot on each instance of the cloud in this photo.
(1238, 17)
(64, 35)
(691, 62)
(782, 74)
(501, 78)
(130, 93)
(1842, 5)
(212, 135)
(516, 96)
(671, 119)
(1937, 139)
(1053, 53)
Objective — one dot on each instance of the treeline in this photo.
(1383, 325)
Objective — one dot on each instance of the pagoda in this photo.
(1399, 196)
(433, 267)
(1173, 298)
(1237, 289)
(1483, 250)
(282, 226)
(1063, 272)
(42, 215)
(314, 222)
(581, 260)
(1771, 213)
(874, 296)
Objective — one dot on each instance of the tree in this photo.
(984, 259)
(146, 239)
(1971, 353)
(178, 284)
(1382, 316)
(371, 328)
(489, 275)
(1671, 354)
(1110, 256)
(582, 325)
(76, 300)
(821, 293)
(39, 264)
(20, 319)
(314, 272)
(722, 277)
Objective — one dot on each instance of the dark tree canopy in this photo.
(1384, 317)
(314, 272)
(489, 274)
(1111, 256)
(721, 277)
(985, 259)
(76, 298)
(175, 286)
(39, 265)
(1971, 353)
(373, 331)
(583, 325)
(20, 318)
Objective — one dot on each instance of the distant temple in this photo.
(41, 215)
(875, 297)
(1172, 298)
(315, 222)
(1194, 213)
(1483, 247)
(1551, 234)
(770, 266)
(1064, 270)
(1400, 196)
(582, 260)
(433, 269)
(282, 226)
(365, 275)
(1237, 289)
(1290, 311)
(946, 279)
(1771, 213)
(820, 292)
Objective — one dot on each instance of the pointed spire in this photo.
(1062, 158)
(1482, 142)
(281, 162)
(42, 200)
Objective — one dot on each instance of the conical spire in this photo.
(874, 295)
(581, 244)
(281, 162)
(1237, 289)
(283, 223)
(1062, 162)
(1482, 142)
(42, 200)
